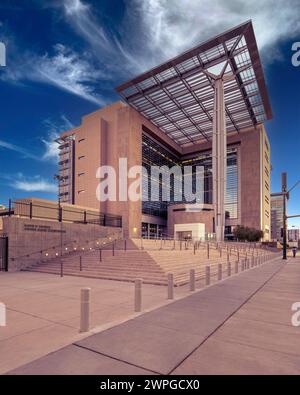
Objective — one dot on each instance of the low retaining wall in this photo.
(31, 240)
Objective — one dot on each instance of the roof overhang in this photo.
(178, 96)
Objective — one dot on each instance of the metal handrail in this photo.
(85, 216)
(70, 243)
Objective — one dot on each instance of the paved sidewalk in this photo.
(43, 311)
(240, 325)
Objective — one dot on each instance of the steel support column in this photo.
(219, 158)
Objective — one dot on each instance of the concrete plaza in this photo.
(43, 311)
(238, 326)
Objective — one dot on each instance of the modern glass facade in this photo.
(154, 154)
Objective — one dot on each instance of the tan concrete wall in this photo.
(48, 209)
(182, 217)
(30, 237)
(266, 180)
(250, 179)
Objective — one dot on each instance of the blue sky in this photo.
(64, 58)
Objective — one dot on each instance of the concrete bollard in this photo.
(85, 298)
(219, 271)
(228, 269)
(207, 275)
(138, 295)
(236, 267)
(192, 280)
(170, 286)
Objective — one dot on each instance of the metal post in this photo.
(59, 213)
(85, 296)
(207, 275)
(100, 255)
(207, 250)
(61, 267)
(236, 269)
(80, 263)
(170, 286)
(219, 271)
(192, 280)
(113, 248)
(125, 245)
(284, 196)
(228, 269)
(138, 295)
(248, 263)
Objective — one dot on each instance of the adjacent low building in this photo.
(293, 234)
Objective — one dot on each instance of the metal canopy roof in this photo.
(178, 96)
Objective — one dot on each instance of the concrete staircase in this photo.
(150, 260)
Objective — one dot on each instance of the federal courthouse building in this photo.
(206, 107)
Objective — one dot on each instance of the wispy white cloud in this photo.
(151, 32)
(12, 147)
(173, 26)
(54, 129)
(156, 30)
(113, 56)
(81, 17)
(64, 69)
(33, 184)
(51, 129)
(69, 71)
(24, 183)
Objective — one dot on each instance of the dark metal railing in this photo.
(61, 214)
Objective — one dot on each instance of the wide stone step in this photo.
(146, 279)
(102, 270)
